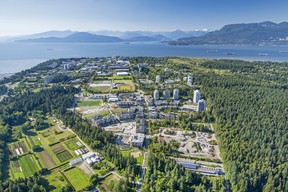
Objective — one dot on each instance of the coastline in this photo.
(2, 76)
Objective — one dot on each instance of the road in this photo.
(112, 172)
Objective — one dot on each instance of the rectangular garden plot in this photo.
(64, 156)
(47, 159)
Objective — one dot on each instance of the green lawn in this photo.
(135, 153)
(127, 81)
(28, 165)
(56, 181)
(104, 89)
(72, 144)
(77, 178)
(102, 82)
(89, 103)
(125, 88)
(110, 181)
(15, 171)
(115, 77)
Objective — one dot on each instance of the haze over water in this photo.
(15, 57)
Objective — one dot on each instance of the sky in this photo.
(18, 17)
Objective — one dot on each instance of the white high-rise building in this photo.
(190, 80)
(176, 94)
(158, 78)
(166, 94)
(201, 106)
(197, 96)
(156, 95)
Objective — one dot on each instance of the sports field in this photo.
(74, 176)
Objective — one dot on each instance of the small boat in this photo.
(212, 51)
(283, 51)
(233, 53)
(263, 54)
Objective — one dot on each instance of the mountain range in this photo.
(104, 36)
(265, 33)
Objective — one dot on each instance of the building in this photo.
(158, 78)
(137, 140)
(166, 70)
(176, 94)
(125, 116)
(166, 94)
(190, 80)
(88, 155)
(75, 162)
(201, 106)
(48, 79)
(156, 95)
(122, 73)
(197, 96)
(148, 100)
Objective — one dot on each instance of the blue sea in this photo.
(15, 57)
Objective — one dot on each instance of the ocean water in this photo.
(15, 57)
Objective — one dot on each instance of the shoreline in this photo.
(7, 75)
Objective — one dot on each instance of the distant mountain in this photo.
(170, 34)
(47, 34)
(268, 33)
(148, 38)
(79, 37)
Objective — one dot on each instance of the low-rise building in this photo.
(137, 140)
(75, 162)
(125, 116)
(122, 73)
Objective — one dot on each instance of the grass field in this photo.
(72, 144)
(125, 88)
(15, 170)
(109, 181)
(135, 153)
(89, 103)
(115, 77)
(74, 176)
(56, 181)
(64, 156)
(102, 82)
(28, 165)
(127, 81)
(103, 89)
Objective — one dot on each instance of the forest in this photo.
(15, 111)
(250, 107)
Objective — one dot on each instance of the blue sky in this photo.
(32, 16)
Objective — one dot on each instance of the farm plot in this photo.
(75, 175)
(18, 148)
(73, 144)
(58, 149)
(16, 170)
(28, 165)
(47, 160)
(64, 156)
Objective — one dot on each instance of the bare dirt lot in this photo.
(192, 143)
